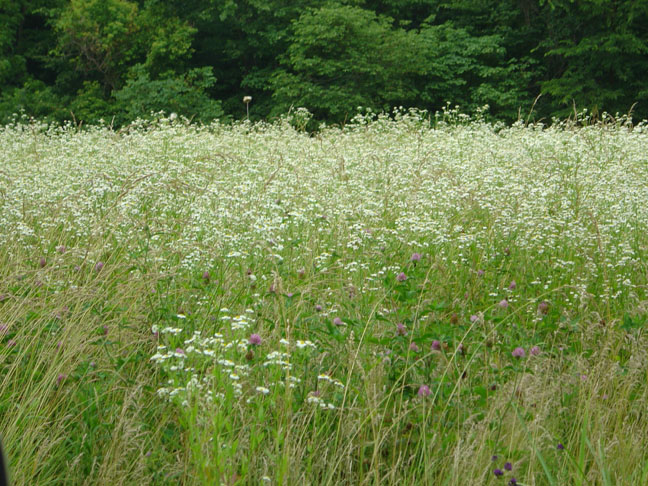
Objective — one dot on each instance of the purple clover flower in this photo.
(535, 351)
(508, 466)
(255, 339)
(338, 322)
(401, 330)
(518, 353)
(436, 345)
(424, 391)
(401, 277)
(543, 307)
(416, 257)
(503, 304)
(413, 347)
(498, 472)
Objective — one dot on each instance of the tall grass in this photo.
(385, 303)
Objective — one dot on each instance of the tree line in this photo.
(116, 60)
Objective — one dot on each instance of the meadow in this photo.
(389, 302)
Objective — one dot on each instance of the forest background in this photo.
(116, 60)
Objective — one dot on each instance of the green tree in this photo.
(341, 57)
(11, 64)
(184, 95)
(469, 70)
(27, 74)
(597, 51)
(100, 37)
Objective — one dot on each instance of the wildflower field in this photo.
(391, 302)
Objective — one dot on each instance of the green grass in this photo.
(141, 370)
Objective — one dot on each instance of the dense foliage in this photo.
(118, 59)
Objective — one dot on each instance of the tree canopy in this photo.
(116, 60)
